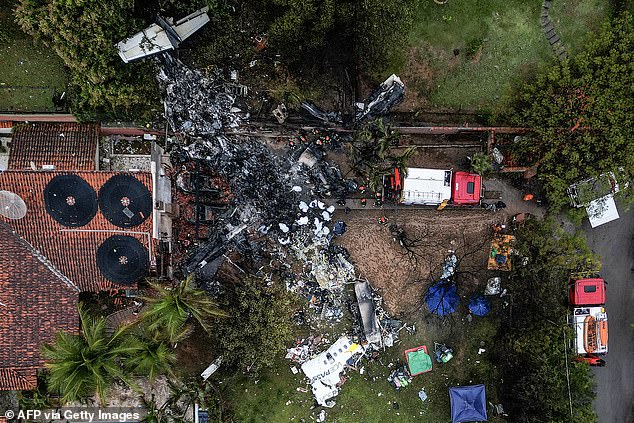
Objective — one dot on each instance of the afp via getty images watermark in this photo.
(77, 415)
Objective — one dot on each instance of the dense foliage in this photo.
(533, 356)
(170, 314)
(372, 155)
(260, 326)
(84, 33)
(583, 114)
(90, 362)
(369, 33)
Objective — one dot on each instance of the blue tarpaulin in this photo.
(339, 228)
(468, 404)
(442, 298)
(479, 305)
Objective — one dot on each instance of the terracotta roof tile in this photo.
(18, 379)
(71, 250)
(36, 301)
(68, 146)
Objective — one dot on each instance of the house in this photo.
(36, 301)
(54, 146)
(65, 228)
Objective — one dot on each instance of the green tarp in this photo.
(418, 361)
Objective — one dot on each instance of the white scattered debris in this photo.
(323, 371)
(213, 367)
(493, 286)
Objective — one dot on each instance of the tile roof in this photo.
(71, 250)
(18, 379)
(68, 146)
(36, 301)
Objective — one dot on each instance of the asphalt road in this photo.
(615, 381)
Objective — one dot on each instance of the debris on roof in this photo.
(66, 146)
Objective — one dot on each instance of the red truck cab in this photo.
(466, 188)
(586, 292)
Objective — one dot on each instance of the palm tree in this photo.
(151, 356)
(371, 154)
(83, 365)
(169, 312)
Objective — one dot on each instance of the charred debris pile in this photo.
(280, 214)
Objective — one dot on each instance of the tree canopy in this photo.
(260, 325)
(84, 33)
(583, 114)
(169, 314)
(532, 354)
(371, 155)
(370, 33)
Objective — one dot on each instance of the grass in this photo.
(369, 398)
(29, 73)
(513, 47)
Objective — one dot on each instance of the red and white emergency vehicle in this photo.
(589, 318)
(433, 187)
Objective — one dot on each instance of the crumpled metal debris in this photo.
(195, 104)
(493, 286)
(387, 95)
(449, 266)
(368, 314)
(317, 113)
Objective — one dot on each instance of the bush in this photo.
(84, 33)
(260, 327)
(582, 115)
(481, 163)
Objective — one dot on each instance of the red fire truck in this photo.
(589, 319)
(433, 187)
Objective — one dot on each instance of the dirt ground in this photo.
(401, 278)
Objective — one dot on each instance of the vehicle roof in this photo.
(461, 192)
(426, 186)
(590, 291)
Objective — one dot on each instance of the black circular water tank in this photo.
(122, 259)
(70, 200)
(125, 201)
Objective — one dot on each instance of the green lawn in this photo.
(512, 44)
(369, 398)
(29, 73)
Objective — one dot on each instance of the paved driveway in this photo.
(615, 382)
